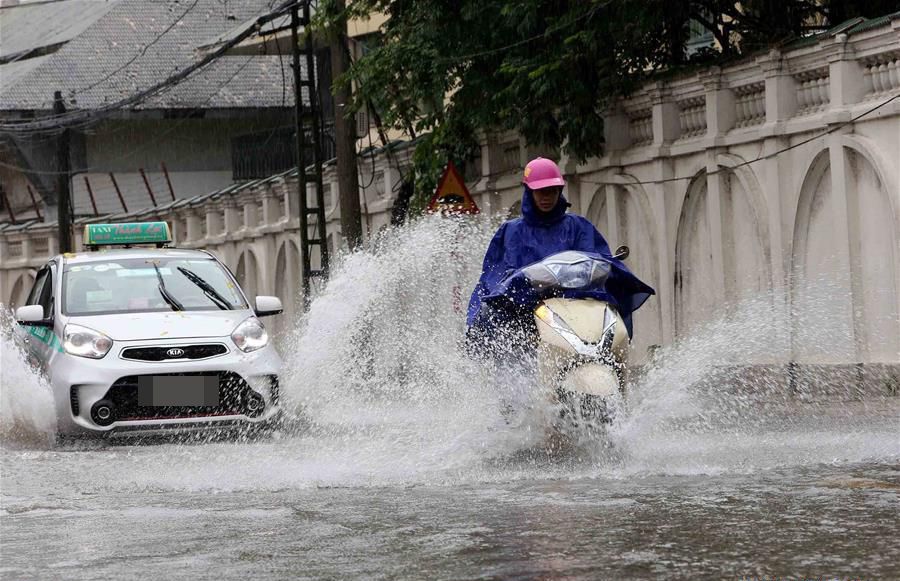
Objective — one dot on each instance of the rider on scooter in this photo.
(545, 228)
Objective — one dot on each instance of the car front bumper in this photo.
(79, 384)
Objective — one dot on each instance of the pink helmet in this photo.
(542, 173)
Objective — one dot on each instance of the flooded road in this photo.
(278, 509)
(401, 460)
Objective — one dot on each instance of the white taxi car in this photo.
(143, 339)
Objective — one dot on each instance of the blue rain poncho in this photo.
(531, 238)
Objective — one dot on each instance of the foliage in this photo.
(547, 68)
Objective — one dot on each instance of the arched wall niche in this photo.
(247, 273)
(20, 289)
(844, 263)
(597, 211)
(746, 252)
(694, 290)
(814, 252)
(817, 289)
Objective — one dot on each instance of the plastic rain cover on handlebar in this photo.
(573, 275)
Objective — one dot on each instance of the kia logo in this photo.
(175, 352)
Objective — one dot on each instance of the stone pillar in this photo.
(780, 207)
(612, 217)
(720, 103)
(573, 192)
(249, 218)
(616, 134)
(5, 288)
(845, 272)
(485, 183)
(663, 198)
(232, 216)
(266, 254)
(781, 89)
(523, 151)
(845, 75)
(715, 187)
(489, 202)
(192, 225)
(291, 201)
(28, 248)
(213, 220)
(291, 281)
(271, 213)
(666, 124)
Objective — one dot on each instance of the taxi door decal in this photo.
(47, 336)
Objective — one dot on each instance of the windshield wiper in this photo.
(207, 289)
(173, 302)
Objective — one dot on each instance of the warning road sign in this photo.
(452, 196)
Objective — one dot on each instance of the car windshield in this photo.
(568, 270)
(134, 286)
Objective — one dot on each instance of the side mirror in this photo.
(32, 315)
(266, 306)
(622, 252)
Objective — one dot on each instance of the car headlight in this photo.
(84, 342)
(250, 335)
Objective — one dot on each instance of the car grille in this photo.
(168, 353)
(234, 396)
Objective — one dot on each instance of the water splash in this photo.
(377, 368)
(27, 416)
(725, 399)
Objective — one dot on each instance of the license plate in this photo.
(178, 390)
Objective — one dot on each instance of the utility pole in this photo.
(345, 133)
(63, 196)
(309, 138)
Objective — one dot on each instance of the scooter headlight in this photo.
(544, 313)
(250, 335)
(84, 342)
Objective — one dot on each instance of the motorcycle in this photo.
(581, 305)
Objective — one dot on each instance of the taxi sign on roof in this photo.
(131, 233)
(452, 196)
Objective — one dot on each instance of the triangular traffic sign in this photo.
(452, 196)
